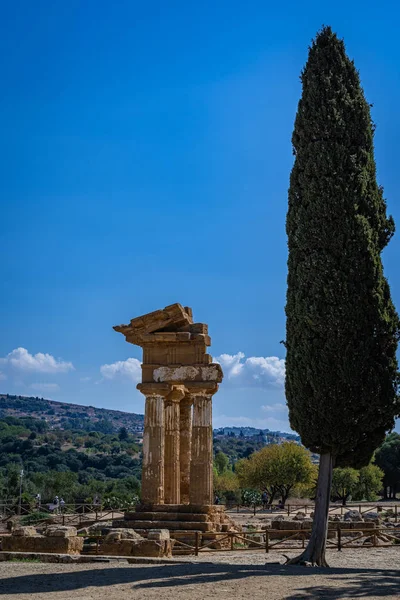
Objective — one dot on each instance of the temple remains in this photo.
(179, 380)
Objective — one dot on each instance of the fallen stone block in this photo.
(353, 515)
(27, 531)
(39, 543)
(299, 516)
(142, 547)
(158, 534)
(61, 531)
(122, 534)
(288, 525)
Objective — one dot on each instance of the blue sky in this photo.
(145, 160)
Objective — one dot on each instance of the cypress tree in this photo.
(342, 328)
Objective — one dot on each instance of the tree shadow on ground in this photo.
(373, 584)
(362, 583)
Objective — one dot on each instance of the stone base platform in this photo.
(180, 519)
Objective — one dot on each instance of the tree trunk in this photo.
(285, 495)
(272, 494)
(315, 551)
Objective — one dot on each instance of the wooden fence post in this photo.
(339, 538)
(288, 510)
(266, 541)
(231, 536)
(395, 513)
(196, 547)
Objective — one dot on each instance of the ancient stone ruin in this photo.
(55, 539)
(178, 381)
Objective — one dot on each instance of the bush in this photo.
(35, 517)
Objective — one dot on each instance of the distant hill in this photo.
(249, 432)
(61, 415)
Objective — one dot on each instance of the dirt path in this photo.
(371, 574)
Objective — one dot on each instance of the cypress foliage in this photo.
(342, 327)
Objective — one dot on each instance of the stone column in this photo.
(185, 446)
(153, 450)
(172, 481)
(201, 466)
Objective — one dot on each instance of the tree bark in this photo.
(315, 551)
(272, 495)
(285, 495)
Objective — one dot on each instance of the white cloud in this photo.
(274, 408)
(45, 387)
(84, 379)
(2, 376)
(20, 359)
(129, 368)
(257, 371)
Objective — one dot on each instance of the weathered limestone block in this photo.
(171, 316)
(122, 534)
(39, 543)
(27, 531)
(61, 531)
(142, 547)
(290, 525)
(353, 515)
(158, 535)
(162, 549)
(299, 516)
(211, 373)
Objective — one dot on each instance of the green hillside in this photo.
(70, 416)
(71, 463)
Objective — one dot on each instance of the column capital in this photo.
(154, 389)
(203, 389)
(170, 392)
(176, 394)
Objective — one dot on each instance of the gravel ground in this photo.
(353, 574)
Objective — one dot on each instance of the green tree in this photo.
(227, 485)
(344, 483)
(221, 462)
(277, 468)
(342, 328)
(56, 483)
(123, 434)
(388, 459)
(369, 483)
